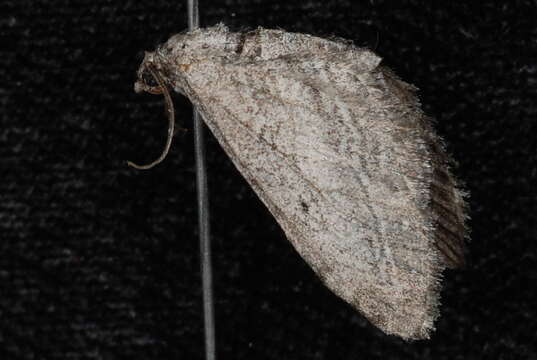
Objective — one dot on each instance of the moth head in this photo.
(146, 81)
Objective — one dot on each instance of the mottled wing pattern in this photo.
(339, 151)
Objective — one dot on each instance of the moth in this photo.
(338, 149)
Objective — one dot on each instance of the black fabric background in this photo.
(100, 261)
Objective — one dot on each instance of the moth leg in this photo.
(180, 130)
(155, 90)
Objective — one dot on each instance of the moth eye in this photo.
(204, 46)
(148, 79)
(183, 46)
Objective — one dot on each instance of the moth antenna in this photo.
(377, 42)
(171, 122)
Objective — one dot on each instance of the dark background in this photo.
(100, 261)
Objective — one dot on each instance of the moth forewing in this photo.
(337, 148)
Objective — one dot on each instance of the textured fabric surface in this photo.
(100, 261)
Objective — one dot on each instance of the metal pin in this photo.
(203, 213)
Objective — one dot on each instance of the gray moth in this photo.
(338, 149)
